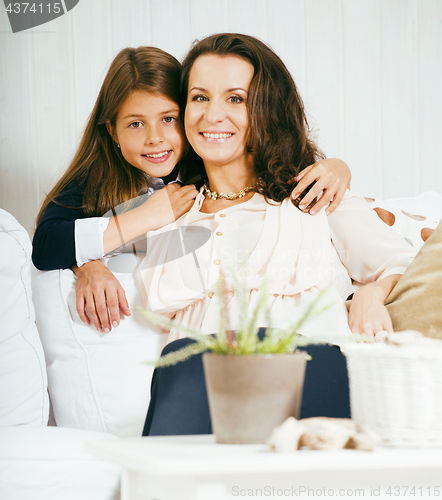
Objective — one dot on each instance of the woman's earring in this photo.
(118, 145)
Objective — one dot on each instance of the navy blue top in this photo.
(54, 239)
(53, 246)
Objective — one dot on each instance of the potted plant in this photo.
(254, 382)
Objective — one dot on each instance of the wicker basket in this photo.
(397, 391)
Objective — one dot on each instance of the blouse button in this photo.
(219, 233)
(217, 262)
(222, 215)
(211, 294)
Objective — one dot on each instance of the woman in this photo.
(245, 119)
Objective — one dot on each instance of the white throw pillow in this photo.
(96, 381)
(48, 463)
(413, 218)
(23, 382)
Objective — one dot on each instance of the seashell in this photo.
(286, 436)
(324, 433)
(364, 439)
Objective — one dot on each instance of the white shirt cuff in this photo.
(89, 239)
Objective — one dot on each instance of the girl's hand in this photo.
(331, 177)
(170, 203)
(368, 315)
(160, 209)
(99, 296)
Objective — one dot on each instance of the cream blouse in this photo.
(298, 253)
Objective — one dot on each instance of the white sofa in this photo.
(98, 386)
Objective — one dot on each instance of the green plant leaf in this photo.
(172, 358)
(246, 340)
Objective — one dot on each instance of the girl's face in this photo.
(149, 132)
(216, 118)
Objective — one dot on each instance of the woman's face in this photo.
(216, 118)
(149, 132)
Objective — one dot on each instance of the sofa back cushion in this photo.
(97, 381)
(23, 381)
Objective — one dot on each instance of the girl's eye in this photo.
(235, 99)
(199, 98)
(135, 125)
(169, 119)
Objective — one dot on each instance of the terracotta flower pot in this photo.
(250, 395)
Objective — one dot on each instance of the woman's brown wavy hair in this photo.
(278, 133)
(98, 164)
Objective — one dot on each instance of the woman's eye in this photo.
(135, 125)
(199, 98)
(169, 119)
(235, 99)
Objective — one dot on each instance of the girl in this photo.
(133, 144)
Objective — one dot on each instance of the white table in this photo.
(196, 468)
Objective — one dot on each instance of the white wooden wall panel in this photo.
(399, 95)
(54, 101)
(19, 168)
(207, 18)
(131, 24)
(362, 93)
(323, 96)
(249, 16)
(369, 72)
(430, 94)
(286, 33)
(171, 26)
(92, 50)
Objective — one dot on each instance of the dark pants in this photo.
(179, 400)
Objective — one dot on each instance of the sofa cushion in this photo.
(96, 381)
(49, 464)
(23, 382)
(414, 303)
(413, 218)
(16, 311)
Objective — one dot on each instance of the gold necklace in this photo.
(231, 196)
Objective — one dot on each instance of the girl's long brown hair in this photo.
(107, 178)
(278, 129)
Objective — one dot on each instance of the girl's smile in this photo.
(158, 157)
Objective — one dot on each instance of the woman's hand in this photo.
(99, 296)
(331, 177)
(368, 315)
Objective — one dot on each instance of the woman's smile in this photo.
(216, 136)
